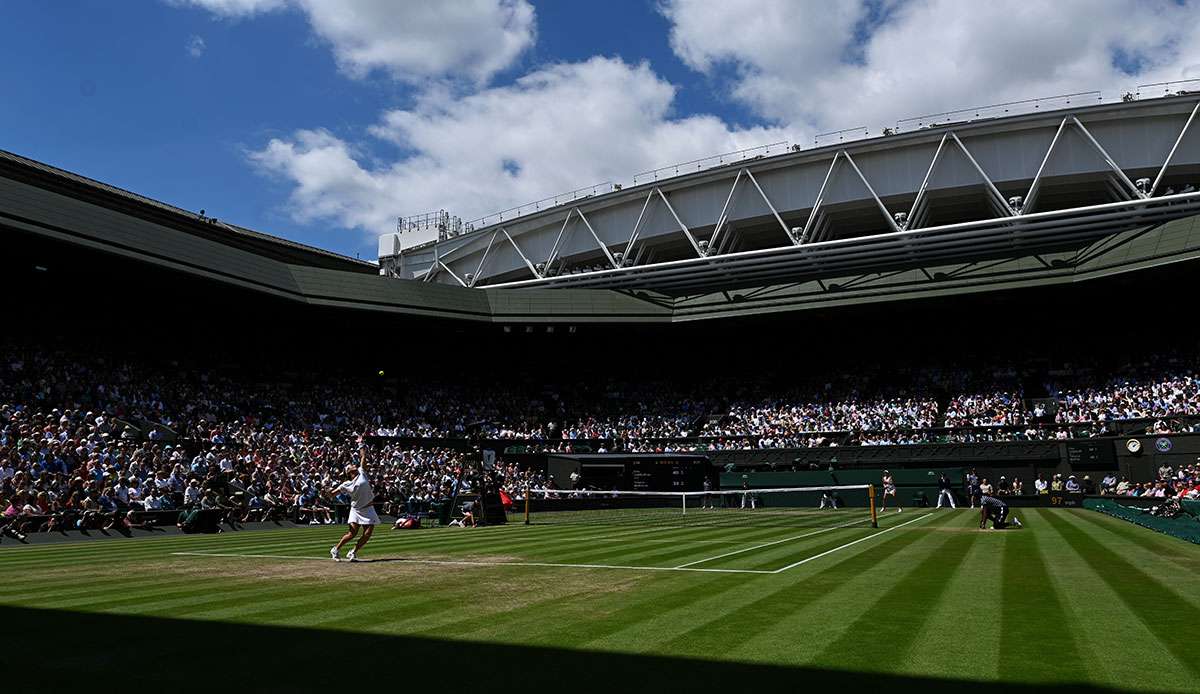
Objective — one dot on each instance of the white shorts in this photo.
(364, 517)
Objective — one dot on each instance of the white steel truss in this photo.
(1171, 155)
(722, 242)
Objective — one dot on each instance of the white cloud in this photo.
(196, 46)
(411, 41)
(235, 8)
(871, 63)
(553, 130)
(806, 66)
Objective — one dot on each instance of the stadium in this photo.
(906, 409)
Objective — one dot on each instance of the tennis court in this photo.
(926, 600)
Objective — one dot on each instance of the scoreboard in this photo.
(642, 472)
(668, 474)
(1091, 455)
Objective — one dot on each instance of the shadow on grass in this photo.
(101, 652)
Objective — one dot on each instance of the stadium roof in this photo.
(47, 212)
(50, 178)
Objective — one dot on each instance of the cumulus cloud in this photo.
(872, 62)
(802, 66)
(558, 128)
(196, 46)
(410, 41)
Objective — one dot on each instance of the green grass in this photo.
(1077, 601)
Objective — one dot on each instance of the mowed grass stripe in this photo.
(951, 644)
(671, 594)
(763, 603)
(586, 550)
(65, 589)
(1170, 618)
(1104, 619)
(1183, 583)
(820, 539)
(59, 587)
(686, 555)
(892, 633)
(1031, 613)
(1151, 545)
(181, 588)
(646, 554)
(788, 554)
(480, 615)
(85, 550)
(822, 599)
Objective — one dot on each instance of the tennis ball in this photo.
(381, 372)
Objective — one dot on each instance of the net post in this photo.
(684, 497)
(527, 495)
(871, 501)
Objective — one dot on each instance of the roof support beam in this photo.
(787, 232)
(456, 277)
(882, 208)
(1171, 154)
(558, 239)
(997, 198)
(912, 212)
(722, 218)
(1031, 196)
(521, 253)
(612, 261)
(479, 270)
(437, 261)
(1134, 192)
(637, 227)
(686, 232)
(820, 199)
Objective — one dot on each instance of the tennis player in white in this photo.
(362, 509)
(889, 489)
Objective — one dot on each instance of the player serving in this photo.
(362, 507)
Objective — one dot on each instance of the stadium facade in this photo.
(1056, 197)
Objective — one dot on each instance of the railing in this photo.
(1159, 89)
(710, 162)
(847, 135)
(544, 203)
(1011, 108)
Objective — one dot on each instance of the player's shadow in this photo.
(63, 651)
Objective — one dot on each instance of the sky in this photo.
(323, 120)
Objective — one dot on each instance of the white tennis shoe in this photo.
(333, 552)
(350, 556)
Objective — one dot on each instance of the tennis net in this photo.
(783, 506)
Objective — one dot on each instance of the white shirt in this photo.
(360, 491)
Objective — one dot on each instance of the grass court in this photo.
(1076, 601)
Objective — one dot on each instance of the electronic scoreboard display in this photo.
(649, 472)
(668, 474)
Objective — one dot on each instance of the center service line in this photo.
(850, 544)
(768, 544)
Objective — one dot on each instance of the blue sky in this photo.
(280, 116)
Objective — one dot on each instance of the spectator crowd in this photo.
(93, 441)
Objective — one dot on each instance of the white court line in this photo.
(850, 544)
(485, 563)
(769, 544)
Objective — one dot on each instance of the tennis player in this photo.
(889, 489)
(362, 507)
